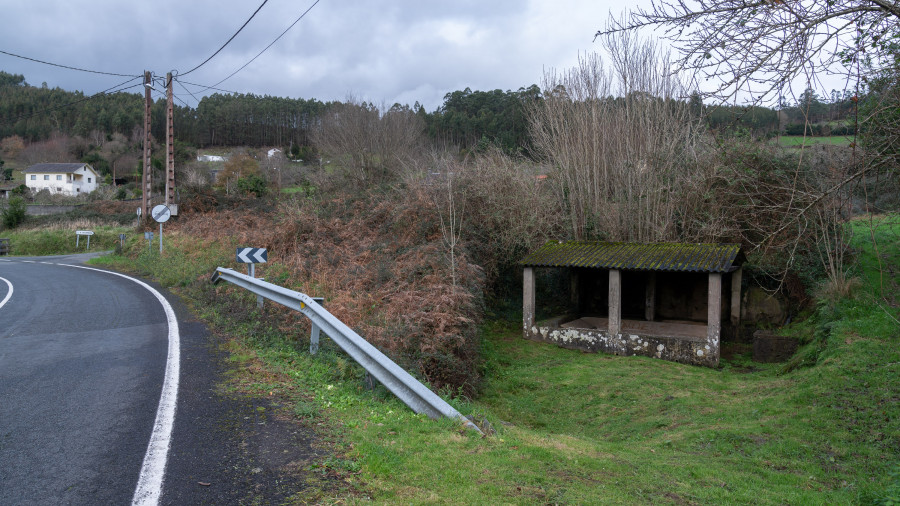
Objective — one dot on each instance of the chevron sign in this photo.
(252, 255)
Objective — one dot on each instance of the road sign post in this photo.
(79, 233)
(161, 214)
(149, 237)
(252, 256)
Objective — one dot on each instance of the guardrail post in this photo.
(314, 333)
(399, 382)
(259, 298)
(314, 340)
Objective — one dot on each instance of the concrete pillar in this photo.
(650, 297)
(615, 301)
(575, 289)
(736, 297)
(528, 299)
(714, 315)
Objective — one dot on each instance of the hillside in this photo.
(568, 427)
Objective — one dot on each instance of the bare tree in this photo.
(625, 150)
(761, 46)
(374, 142)
(450, 203)
(12, 146)
(238, 166)
(273, 166)
(53, 150)
(118, 153)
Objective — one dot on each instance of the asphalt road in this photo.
(82, 357)
(83, 363)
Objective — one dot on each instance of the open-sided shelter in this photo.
(665, 300)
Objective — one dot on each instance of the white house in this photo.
(211, 158)
(63, 178)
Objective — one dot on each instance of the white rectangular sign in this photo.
(84, 232)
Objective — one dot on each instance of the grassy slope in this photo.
(580, 428)
(61, 240)
(795, 141)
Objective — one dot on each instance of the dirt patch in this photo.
(283, 458)
(233, 444)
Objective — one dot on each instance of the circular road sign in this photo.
(161, 213)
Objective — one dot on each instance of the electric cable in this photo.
(182, 101)
(270, 44)
(229, 40)
(67, 67)
(185, 88)
(70, 104)
(207, 87)
(214, 86)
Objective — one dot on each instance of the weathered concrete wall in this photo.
(687, 350)
(41, 210)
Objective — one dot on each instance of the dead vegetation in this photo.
(377, 259)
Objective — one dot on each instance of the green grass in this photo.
(591, 428)
(794, 141)
(183, 262)
(58, 241)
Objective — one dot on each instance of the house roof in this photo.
(56, 167)
(677, 257)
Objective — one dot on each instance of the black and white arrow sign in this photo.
(252, 255)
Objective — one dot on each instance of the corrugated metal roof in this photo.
(679, 257)
(55, 167)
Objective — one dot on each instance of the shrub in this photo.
(14, 214)
(253, 184)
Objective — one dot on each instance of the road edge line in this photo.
(150, 482)
(8, 295)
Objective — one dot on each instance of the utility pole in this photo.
(145, 183)
(170, 147)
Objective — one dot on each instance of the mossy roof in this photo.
(677, 257)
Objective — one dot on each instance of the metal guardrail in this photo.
(409, 390)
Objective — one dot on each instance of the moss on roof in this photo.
(678, 257)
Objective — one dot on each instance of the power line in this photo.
(270, 44)
(66, 66)
(207, 87)
(70, 104)
(229, 40)
(182, 101)
(187, 90)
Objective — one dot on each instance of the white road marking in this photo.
(9, 294)
(150, 482)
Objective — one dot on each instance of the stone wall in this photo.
(687, 350)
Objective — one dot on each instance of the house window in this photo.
(33, 177)
(46, 178)
(78, 189)
(59, 177)
(58, 189)
(89, 180)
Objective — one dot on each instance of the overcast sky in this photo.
(378, 50)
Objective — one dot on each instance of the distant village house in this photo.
(211, 158)
(62, 178)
